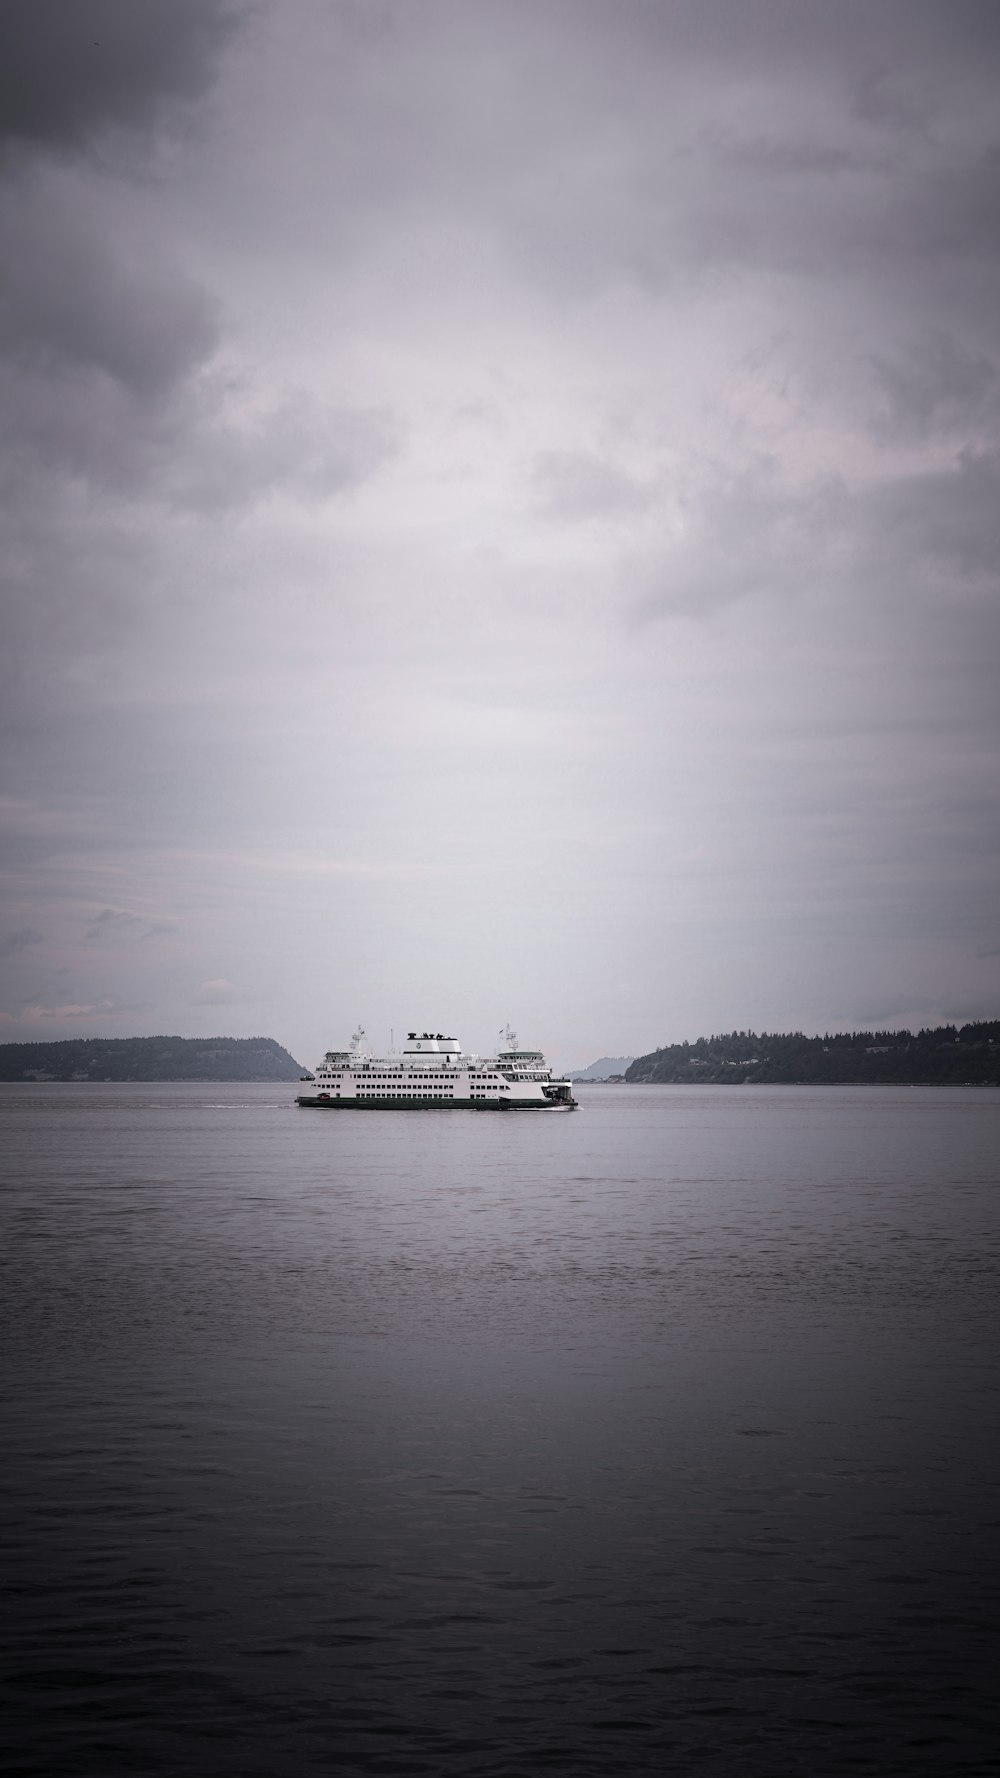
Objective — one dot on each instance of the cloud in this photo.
(943, 521)
(744, 532)
(900, 540)
(68, 71)
(110, 373)
(449, 439)
(110, 923)
(576, 485)
(68, 1012)
(99, 336)
(99, 331)
(73, 301)
(217, 992)
(22, 938)
(935, 385)
(219, 460)
(115, 923)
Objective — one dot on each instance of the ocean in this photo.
(660, 1437)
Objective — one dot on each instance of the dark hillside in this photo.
(149, 1058)
(945, 1056)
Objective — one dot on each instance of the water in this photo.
(660, 1437)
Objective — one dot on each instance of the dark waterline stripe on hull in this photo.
(432, 1105)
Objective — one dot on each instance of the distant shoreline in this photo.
(944, 1084)
(148, 1059)
(946, 1055)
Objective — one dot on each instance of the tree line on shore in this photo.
(149, 1058)
(945, 1055)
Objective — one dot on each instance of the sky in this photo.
(501, 518)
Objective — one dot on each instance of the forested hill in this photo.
(149, 1058)
(949, 1055)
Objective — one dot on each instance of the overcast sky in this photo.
(502, 517)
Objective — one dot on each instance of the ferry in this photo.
(433, 1072)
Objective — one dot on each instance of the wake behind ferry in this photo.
(434, 1071)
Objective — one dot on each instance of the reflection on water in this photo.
(658, 1438)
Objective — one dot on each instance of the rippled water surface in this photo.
(660, 1437)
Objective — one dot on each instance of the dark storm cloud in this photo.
(666, 144)
(97, 330)
(744, 534)
(946, 521)
(73, 301)
(111, 923)
(748, 533)
(69, 68)
(225, 464)
(101, 338)
(856, 213)
(936, 384)
(113, 402)
(106, 346)
(853, 40)
(23, 938)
